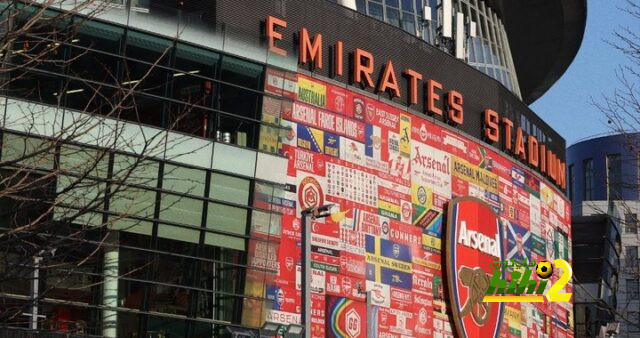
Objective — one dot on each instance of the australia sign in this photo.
(474, 240)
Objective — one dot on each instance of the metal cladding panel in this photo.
(386, 42)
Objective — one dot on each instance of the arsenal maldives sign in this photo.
(474, 239)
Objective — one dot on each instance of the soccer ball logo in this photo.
(544, 269)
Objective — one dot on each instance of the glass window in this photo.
(236, 100)
(361, 6)
(265, 223)
(84, 161)
(571, 182)
(230, 189)
(477, 47)
(146, 77)
(487, 52)
(407, 5)
(392, 3)
(270, 136)
(240, 72)
(34, 86)
(172, 300)
(191, 86)
(236, 131)
(129, 201)
(633, 317)
(631, 254)
(588, 180)
(393, 16)
(88, 52)
(28, 151)
(228, 219)
(220, 278)
(375, 10)
(178, 233)
(408, 22)
(631, 223)
(138, 3)
(184, 180)
(79, 192)
(134, 170)
(181, 210)
(174, 269)
(152, 50)
(94, 51)
(614, 177)
(90, 98)
(633, 291)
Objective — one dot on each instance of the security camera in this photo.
(325, 208)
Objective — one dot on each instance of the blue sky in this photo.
(566, 105)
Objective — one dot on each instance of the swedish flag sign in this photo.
(388, 262)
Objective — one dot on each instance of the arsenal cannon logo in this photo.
(474, 240)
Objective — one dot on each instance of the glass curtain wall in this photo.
(173, 240)
(488, 51)
(104, 69)
(179, 254)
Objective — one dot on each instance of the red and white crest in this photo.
(474, 240)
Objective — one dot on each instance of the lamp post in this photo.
(308, 215)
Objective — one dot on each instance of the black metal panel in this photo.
(544, 37)
(386, 42)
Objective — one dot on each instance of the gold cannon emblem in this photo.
(476, 281)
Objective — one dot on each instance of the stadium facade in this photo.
(387, 110)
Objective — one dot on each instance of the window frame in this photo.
(588, 184)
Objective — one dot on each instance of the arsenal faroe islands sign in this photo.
(473, 241)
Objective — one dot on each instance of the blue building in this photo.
(594, 163)
(602, 183)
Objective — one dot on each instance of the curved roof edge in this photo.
(544, 38)
(607, 137)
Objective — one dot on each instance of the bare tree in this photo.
(621, 109)
(68, 178)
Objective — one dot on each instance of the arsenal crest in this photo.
(473, 241)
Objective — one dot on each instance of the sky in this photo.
(566, 106)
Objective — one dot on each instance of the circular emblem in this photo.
(289, 263)
(377, 295)
(422, 195)
(396, 250)
(371, 112)
(296, 225)
(423, 132)
(346, 285)
(544, 269)
(358, 108)
(290, 134)
(310, 193)
(339, 102)
(423, 316)
(385, 227)
(406, 210)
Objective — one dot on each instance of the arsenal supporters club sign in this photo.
(474, 240)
